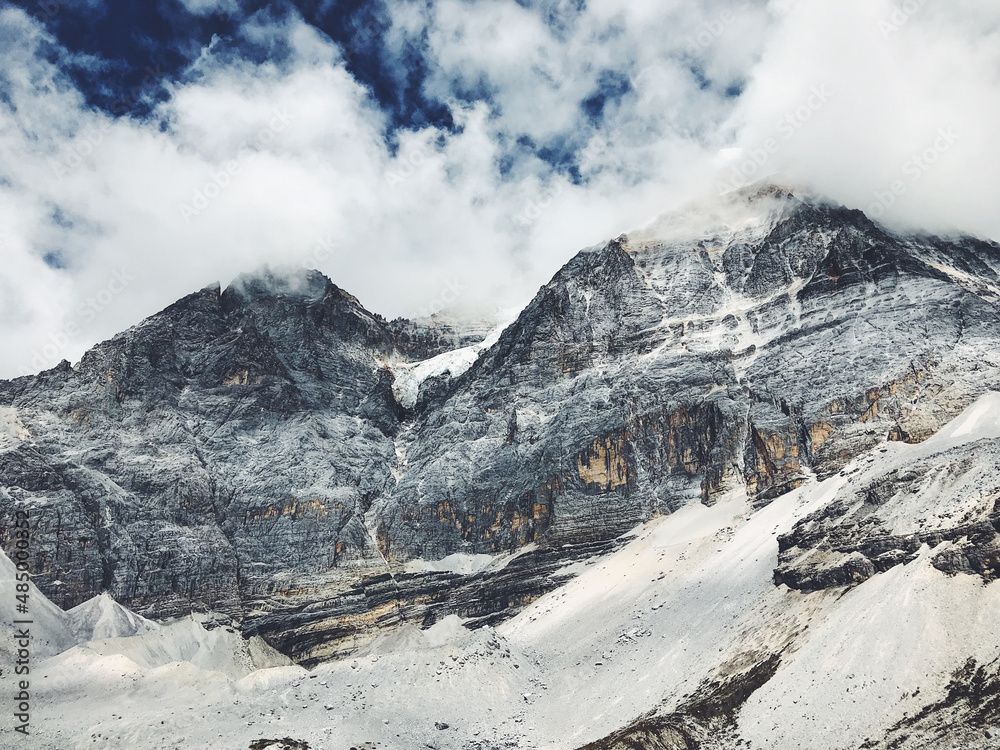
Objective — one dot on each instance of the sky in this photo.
(450, 155)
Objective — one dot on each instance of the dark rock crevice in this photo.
(705, 720)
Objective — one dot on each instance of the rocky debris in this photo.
(967, 716)
(286, 744)
(704, 720)
(851, 539)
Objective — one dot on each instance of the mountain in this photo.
(320, 476)
(678, 639)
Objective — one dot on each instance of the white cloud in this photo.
(287, 162)
(897, 80)
(208, 7)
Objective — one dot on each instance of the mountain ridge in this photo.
(244, 450)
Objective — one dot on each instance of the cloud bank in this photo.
(567, 123)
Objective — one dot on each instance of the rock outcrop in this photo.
(870, 528)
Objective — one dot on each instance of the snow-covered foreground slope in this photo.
(103, 617)
(662, 629)
(52, 628)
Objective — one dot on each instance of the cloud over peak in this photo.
(404, 148)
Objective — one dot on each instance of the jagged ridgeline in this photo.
(247, 450)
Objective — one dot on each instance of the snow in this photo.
(981, 419)
(901, 633)
(183, 640)
(725, 317)
(715, 579)
(51, 627)
(740, 213)
(688, 597)
(102, 617)
(456, 563)
(11, 426)
(410, 375)
(975, 284)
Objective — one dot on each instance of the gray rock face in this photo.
(774, 340)
(335, 626)
(869, 527)
(243, 451)
(201, 457)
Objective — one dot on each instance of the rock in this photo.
(853, 538)
(243, 451)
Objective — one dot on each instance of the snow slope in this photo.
(103, 617)
(52, 629)
(90, 653)
(690, 598)
(410, 375)
(11, 427)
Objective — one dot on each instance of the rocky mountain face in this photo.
(911, 533)
(211, 454)
(244, 451)
(773, 340)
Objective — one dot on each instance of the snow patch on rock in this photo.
(980, 420)
(749, 213)
(11, 426)
(410, 375)
(456, 563)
